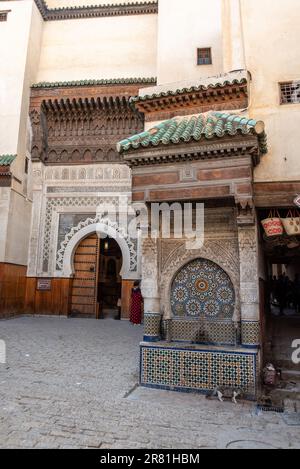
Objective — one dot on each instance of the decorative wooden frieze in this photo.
(229, 147)
(39, 135)
(276, 194)
(123, 89)
(229, 178)
(94, 11)
(82, 130)
(3, 15)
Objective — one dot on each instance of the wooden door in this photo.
(84, 288)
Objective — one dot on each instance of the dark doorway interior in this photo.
(109, 279)
(280, 311)
(283, 309)
(282, 327)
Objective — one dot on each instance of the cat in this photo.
(223, 392)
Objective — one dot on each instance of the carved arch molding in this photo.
(101, 226)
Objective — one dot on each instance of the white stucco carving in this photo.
(129, 268)
(76, 192)
(249, 280)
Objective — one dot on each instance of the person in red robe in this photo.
(136, 304)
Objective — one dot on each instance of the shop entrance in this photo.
(283, 309)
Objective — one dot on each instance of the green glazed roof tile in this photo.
(112, 81)
(196, 128)
(6, 160)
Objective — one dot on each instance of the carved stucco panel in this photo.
(59, 190)
(248, 252)
(150, 268)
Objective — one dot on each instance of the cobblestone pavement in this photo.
(72, 383)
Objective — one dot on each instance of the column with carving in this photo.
(150, 290)
(35, 234)
(249, 282)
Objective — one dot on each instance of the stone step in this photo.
(291, 405)
(288, 389)
(291, 375)
(284, 364)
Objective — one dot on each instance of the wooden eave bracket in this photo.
(55, 14)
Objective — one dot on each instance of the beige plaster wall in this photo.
(272, 37)
(184, 26)
(18, 229)
(4, 211)
(96, 48)
(20, 39)
(14, 34)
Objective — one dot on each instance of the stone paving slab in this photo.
(72, 383)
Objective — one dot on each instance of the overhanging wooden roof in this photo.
(87, 91)
(94, 11)
(228, 91)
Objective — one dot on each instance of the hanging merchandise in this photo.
(292, 223)
(273, 224)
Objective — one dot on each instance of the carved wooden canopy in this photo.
(82, 124)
